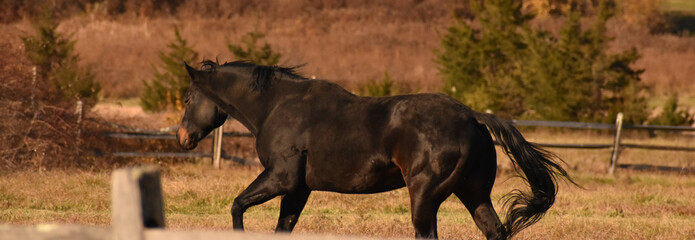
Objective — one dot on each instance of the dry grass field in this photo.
(629, 205)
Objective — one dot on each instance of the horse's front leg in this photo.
(270, 183)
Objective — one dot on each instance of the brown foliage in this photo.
(35, 131)
(41, 133)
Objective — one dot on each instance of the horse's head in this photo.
(241, 89)
(202, 115)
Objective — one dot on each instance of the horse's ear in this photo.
(191, 71)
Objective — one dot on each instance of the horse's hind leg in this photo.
(429, 186)
(474, 190)
(424, 206)
(291, 207)
(484, 216)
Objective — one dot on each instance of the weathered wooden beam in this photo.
(54, 232)
(157, 234)
(136, 202)
(616, 142)
(217, 147)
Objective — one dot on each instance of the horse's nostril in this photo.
(182, 135)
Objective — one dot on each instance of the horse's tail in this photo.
(540, 171)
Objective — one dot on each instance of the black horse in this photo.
(313, 135)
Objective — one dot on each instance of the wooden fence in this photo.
(616, 146)
(168, 134)
(137, 213)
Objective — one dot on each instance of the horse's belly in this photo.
(354, 179)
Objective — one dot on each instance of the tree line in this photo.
(490, 58)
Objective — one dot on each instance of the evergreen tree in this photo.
(518, 71)
(479, 65)
(57, 64)
(168, 87)
(262, 55)
(559, 80)
(384, 87)
(576, 79)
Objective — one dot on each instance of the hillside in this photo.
(344, 43)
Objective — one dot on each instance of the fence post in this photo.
(33, 88)
(616, 142)
(79, 109)
(217, 147)
(136, 202)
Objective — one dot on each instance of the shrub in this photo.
(168, 87)
(672, 114)
(383, 87)
(57, 64)
(263, 55)
(515, 70)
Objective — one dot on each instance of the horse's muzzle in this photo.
(184, 139)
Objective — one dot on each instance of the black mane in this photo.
(262, 75)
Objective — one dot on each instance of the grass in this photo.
(629, 205)
(636, 205)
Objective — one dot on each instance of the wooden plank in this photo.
(136, 202)
(574, 145)
(658, 127)
(166, 136)
(658, 147)
(563, 124)
(54, 232)
(159, 154)
(605, 126)
(569, 145)
(217, 147)
(139, 136)
(232, 235)
(180, 154)
(646, 167)
(238, 134)
(77, 232)
(616, 142)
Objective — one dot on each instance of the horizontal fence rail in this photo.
(167, 133)
(617, 144)
(166, 136)
(563, 124)
(570, 145)
(182, 155)
(604, 126)
(599, 126)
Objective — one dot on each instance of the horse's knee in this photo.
(237, 208)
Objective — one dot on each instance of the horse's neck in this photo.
(251, 108)
(244, 121)
(249, 114)
(243, 112)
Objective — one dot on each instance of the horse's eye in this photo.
(186, 100)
